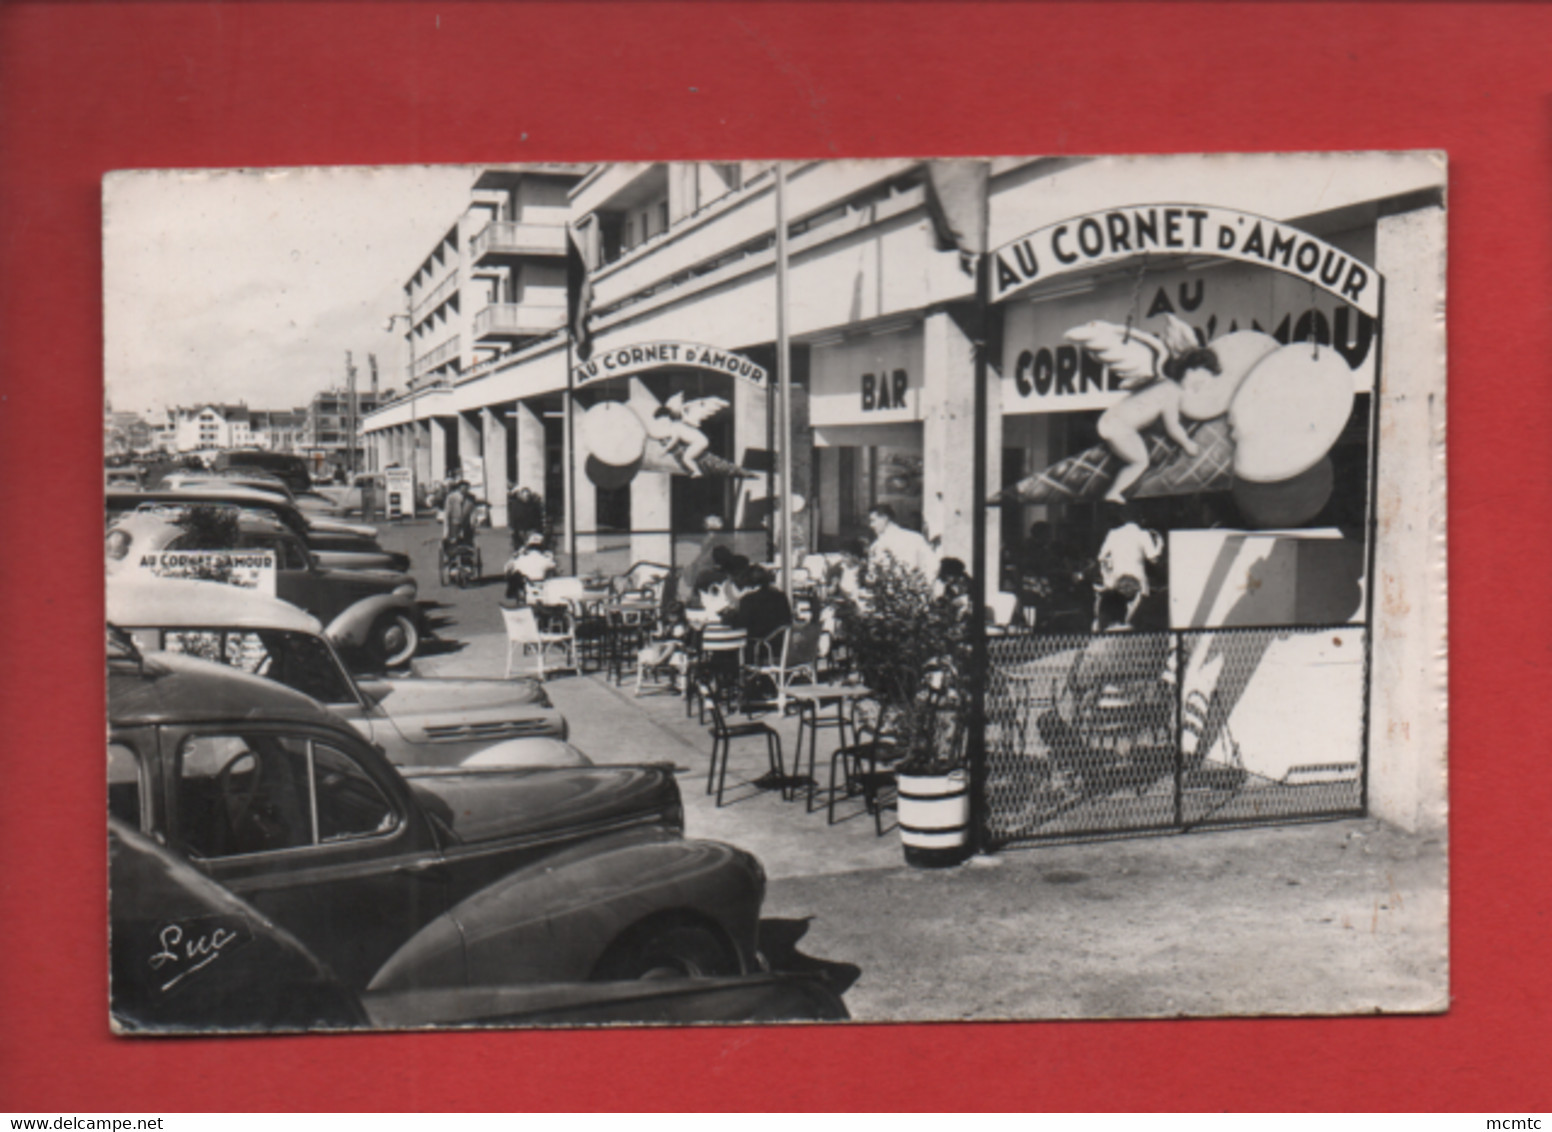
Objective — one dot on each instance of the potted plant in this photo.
(913, 650)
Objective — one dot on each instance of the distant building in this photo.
(124, 433)
(279, 430)
(326, 425)
(210, 427)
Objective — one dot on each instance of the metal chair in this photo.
(866, 765)
(722, 735)
(790, 653)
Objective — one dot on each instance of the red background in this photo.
(89, 87)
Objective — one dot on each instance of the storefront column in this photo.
(948, 442)
(432, 452)
(529, 426)
(583, 510)
(494, 435)
(651, 509)
(471, 450)
(1407, 715)
(948, 434)
(751, 429)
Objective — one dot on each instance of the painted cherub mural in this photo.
(1241, 413)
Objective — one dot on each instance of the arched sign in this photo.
(1116, 234)
(643, 357)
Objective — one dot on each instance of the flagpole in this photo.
(568, 473)
(976, 746)
(783, 382)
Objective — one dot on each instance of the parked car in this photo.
(312, 503)
(430, 878)
(188, 955)
(288, 466)
(144, 534)
(370, 613)
(318, 533)
(416, 721)
(124, 476)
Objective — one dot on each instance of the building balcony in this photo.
(443, 291)
(512, 322)
(447, 351)
(505, 241)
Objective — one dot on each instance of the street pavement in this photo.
(1328, 917)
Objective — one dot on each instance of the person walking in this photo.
(908, 548)
(525, 516)
(458, 516)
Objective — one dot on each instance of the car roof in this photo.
(242, 496)
(144, 523)
(164, 688)
(169, 603)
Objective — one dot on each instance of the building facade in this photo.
(680, 264)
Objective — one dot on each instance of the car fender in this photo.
(352, 628)
(553, 921)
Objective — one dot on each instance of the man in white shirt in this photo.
(1124, 559)
(906, 547)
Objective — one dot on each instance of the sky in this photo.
(250, 285)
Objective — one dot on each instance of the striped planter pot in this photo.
(935, 818)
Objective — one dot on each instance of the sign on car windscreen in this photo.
(248, 569)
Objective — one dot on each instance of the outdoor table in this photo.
(812, 699)
(629, 623)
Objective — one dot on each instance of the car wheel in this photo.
(672, 951)
(395, 639)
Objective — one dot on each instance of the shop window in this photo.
(614, 508)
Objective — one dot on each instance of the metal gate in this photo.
(1127, 733)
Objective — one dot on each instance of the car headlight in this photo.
(406, 588)
(118, 544)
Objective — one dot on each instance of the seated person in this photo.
(533, 563)
(761, 608)
(952, 587)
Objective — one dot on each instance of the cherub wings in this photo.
(1135, 355)
(697, 411)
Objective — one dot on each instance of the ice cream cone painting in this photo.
(1203, 416)
(623, 439)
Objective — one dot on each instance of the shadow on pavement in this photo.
(779, 940)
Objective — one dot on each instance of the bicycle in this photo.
(459, 564)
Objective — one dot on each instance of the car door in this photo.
(315, 831)
(297, 580)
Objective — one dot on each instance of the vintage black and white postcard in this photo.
(888, 590)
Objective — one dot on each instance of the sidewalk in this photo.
(1333, 917)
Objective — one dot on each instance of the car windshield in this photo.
(300, 661)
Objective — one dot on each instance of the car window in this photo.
(262, 793)
(124, 784)
(288, 553)
(300, 661)
(349, 803)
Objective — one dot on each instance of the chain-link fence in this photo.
(1121, 733)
